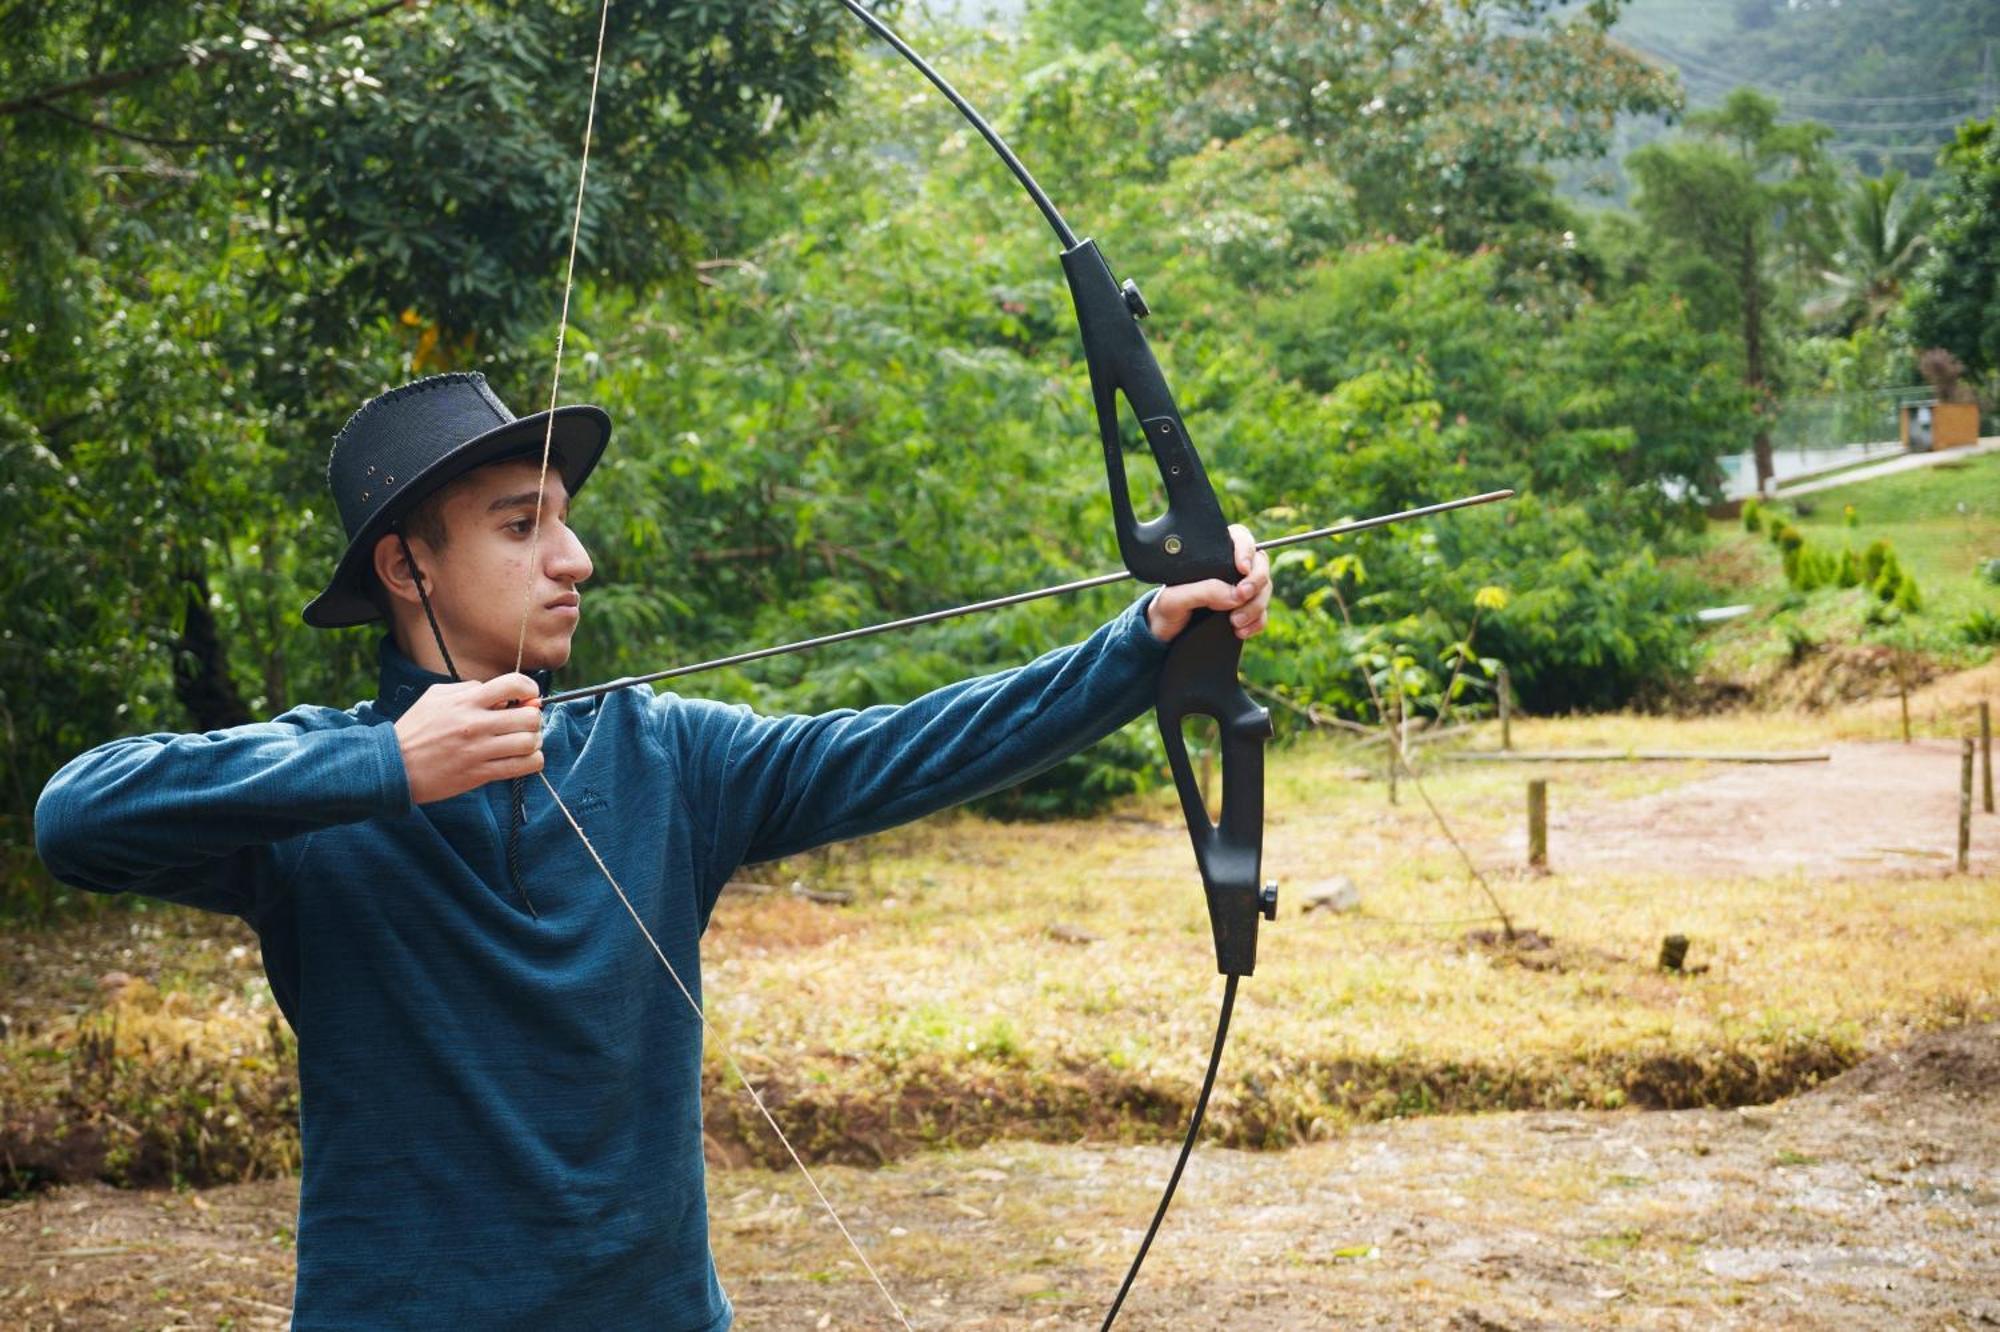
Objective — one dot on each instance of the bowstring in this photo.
(728, 1055)
(520, 656)
(562, 333)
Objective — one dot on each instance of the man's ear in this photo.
(393, 571)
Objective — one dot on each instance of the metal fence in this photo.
(1824, 431)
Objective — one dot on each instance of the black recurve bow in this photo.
(1187, 542)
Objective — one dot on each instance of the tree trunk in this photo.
(1753, 360)
(201, 667)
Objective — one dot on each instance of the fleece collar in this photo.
(402, 682)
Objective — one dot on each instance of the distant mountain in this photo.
(1892, 78)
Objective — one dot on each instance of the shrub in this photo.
(1990, 569)
(1979, 628)
(1908, 599)
(1888, 578)
(1849, 573)
(1753, 516)
(1808, 568)
(1872, 560)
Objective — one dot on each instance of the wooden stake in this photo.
(1506, 692)
(1965, 808)
(1903, 690)
(1986, 752)
(1394, 721)
(1538, 825)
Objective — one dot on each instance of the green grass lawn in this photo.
(1941, 521)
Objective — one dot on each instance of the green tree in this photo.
(1744, 212)
(1882, 240)
(1438, 113)
(1955, 298)
(236, 221)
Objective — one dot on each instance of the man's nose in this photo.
(568, 561)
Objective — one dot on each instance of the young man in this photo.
(500, 1090)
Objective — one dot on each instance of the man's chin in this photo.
(550, 652)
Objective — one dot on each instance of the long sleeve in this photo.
(193, 818)
(765, 787)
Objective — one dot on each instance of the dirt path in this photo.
(1871, 1203)
(1874, 808)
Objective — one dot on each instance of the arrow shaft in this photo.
(997, 603)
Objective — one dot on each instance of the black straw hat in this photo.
(406, 443)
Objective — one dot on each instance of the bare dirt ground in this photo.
(1874, 808)
(1873, 1202)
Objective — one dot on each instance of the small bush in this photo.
(1753, 516)
(1872, 560)
(1990, 569)
(1908, 599)
(1980, 628)
(1849, 573)
(1888, 579)
(1810, 568)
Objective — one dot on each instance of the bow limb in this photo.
(1187, 542)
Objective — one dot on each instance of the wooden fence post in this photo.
(1965, 808)
(1903, 691)
(1986, 751)
(1395, 741)
(1538, 825)
(1506, 692)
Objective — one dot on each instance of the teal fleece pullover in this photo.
(502, 1111)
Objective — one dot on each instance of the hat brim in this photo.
(579, 433)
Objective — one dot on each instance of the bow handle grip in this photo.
(1199, 680)
(1189, 541)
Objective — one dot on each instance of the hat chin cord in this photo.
(417, 576)
(520, 784)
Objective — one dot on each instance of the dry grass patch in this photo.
(1056, 982)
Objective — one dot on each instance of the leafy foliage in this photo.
(1436, 112)
(1882, 240)
(1743, 212)
(1955, 301)
(840, 354)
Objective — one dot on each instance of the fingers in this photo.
(1254, 591)
(514, 745)
(506, 688)
(500, 770)
(1246, 547)
(1210, 594)
(1246, 601)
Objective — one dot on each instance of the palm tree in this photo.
(1882, 239)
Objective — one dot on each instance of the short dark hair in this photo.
(426, 520)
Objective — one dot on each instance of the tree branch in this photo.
(117, 132)
(115, 79)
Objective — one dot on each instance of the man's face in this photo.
(482, 580)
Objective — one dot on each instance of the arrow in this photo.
(997, 603)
